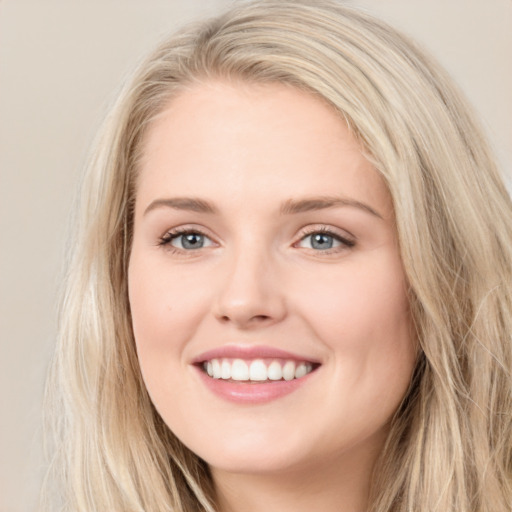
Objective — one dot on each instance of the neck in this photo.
(330, 486)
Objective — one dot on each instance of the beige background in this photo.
(60, 64)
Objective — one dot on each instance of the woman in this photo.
(290, 285)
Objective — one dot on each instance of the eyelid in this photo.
(326, 228)
(173, 233)
(347, 239)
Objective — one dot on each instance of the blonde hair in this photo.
(450, 447)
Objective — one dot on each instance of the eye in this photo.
(186, 240)
(324, 240)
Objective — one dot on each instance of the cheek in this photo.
(165, 314)
(164, 305)
(363, 318)
(355, 306)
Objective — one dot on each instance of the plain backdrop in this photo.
(61, 63)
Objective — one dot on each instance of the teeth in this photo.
(225, 370)
(289, 370)
(216, 369)
(257, 370)
(274, 371)
(301, 370)
(239, 370)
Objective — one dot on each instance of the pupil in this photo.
(321, 241)
(192, 241)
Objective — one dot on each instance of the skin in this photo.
(259, 280)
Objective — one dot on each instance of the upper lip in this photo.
(250, 352)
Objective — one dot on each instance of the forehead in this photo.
(249, 136)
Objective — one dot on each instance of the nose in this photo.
(250, 295)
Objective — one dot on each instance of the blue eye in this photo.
(324, 240)
(188, 240)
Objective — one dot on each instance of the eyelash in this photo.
(165, 241)
(346, 243)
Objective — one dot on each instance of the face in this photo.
(267, 292)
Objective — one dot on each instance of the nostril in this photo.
(250, 320)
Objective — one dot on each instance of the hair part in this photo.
(450, 443)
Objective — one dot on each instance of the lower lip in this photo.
(252, 392)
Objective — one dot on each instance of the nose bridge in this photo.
(249, 293)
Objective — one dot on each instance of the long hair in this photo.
(450, 444)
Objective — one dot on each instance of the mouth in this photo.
(257, 370)
(253, 374)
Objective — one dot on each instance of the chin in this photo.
(251, 453)
(253, 463)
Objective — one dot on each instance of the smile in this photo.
(257, 370)
(253, 375)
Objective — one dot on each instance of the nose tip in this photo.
(250, 297)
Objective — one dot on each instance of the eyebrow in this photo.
(321, 203)
(183, 203)
(289, 207)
